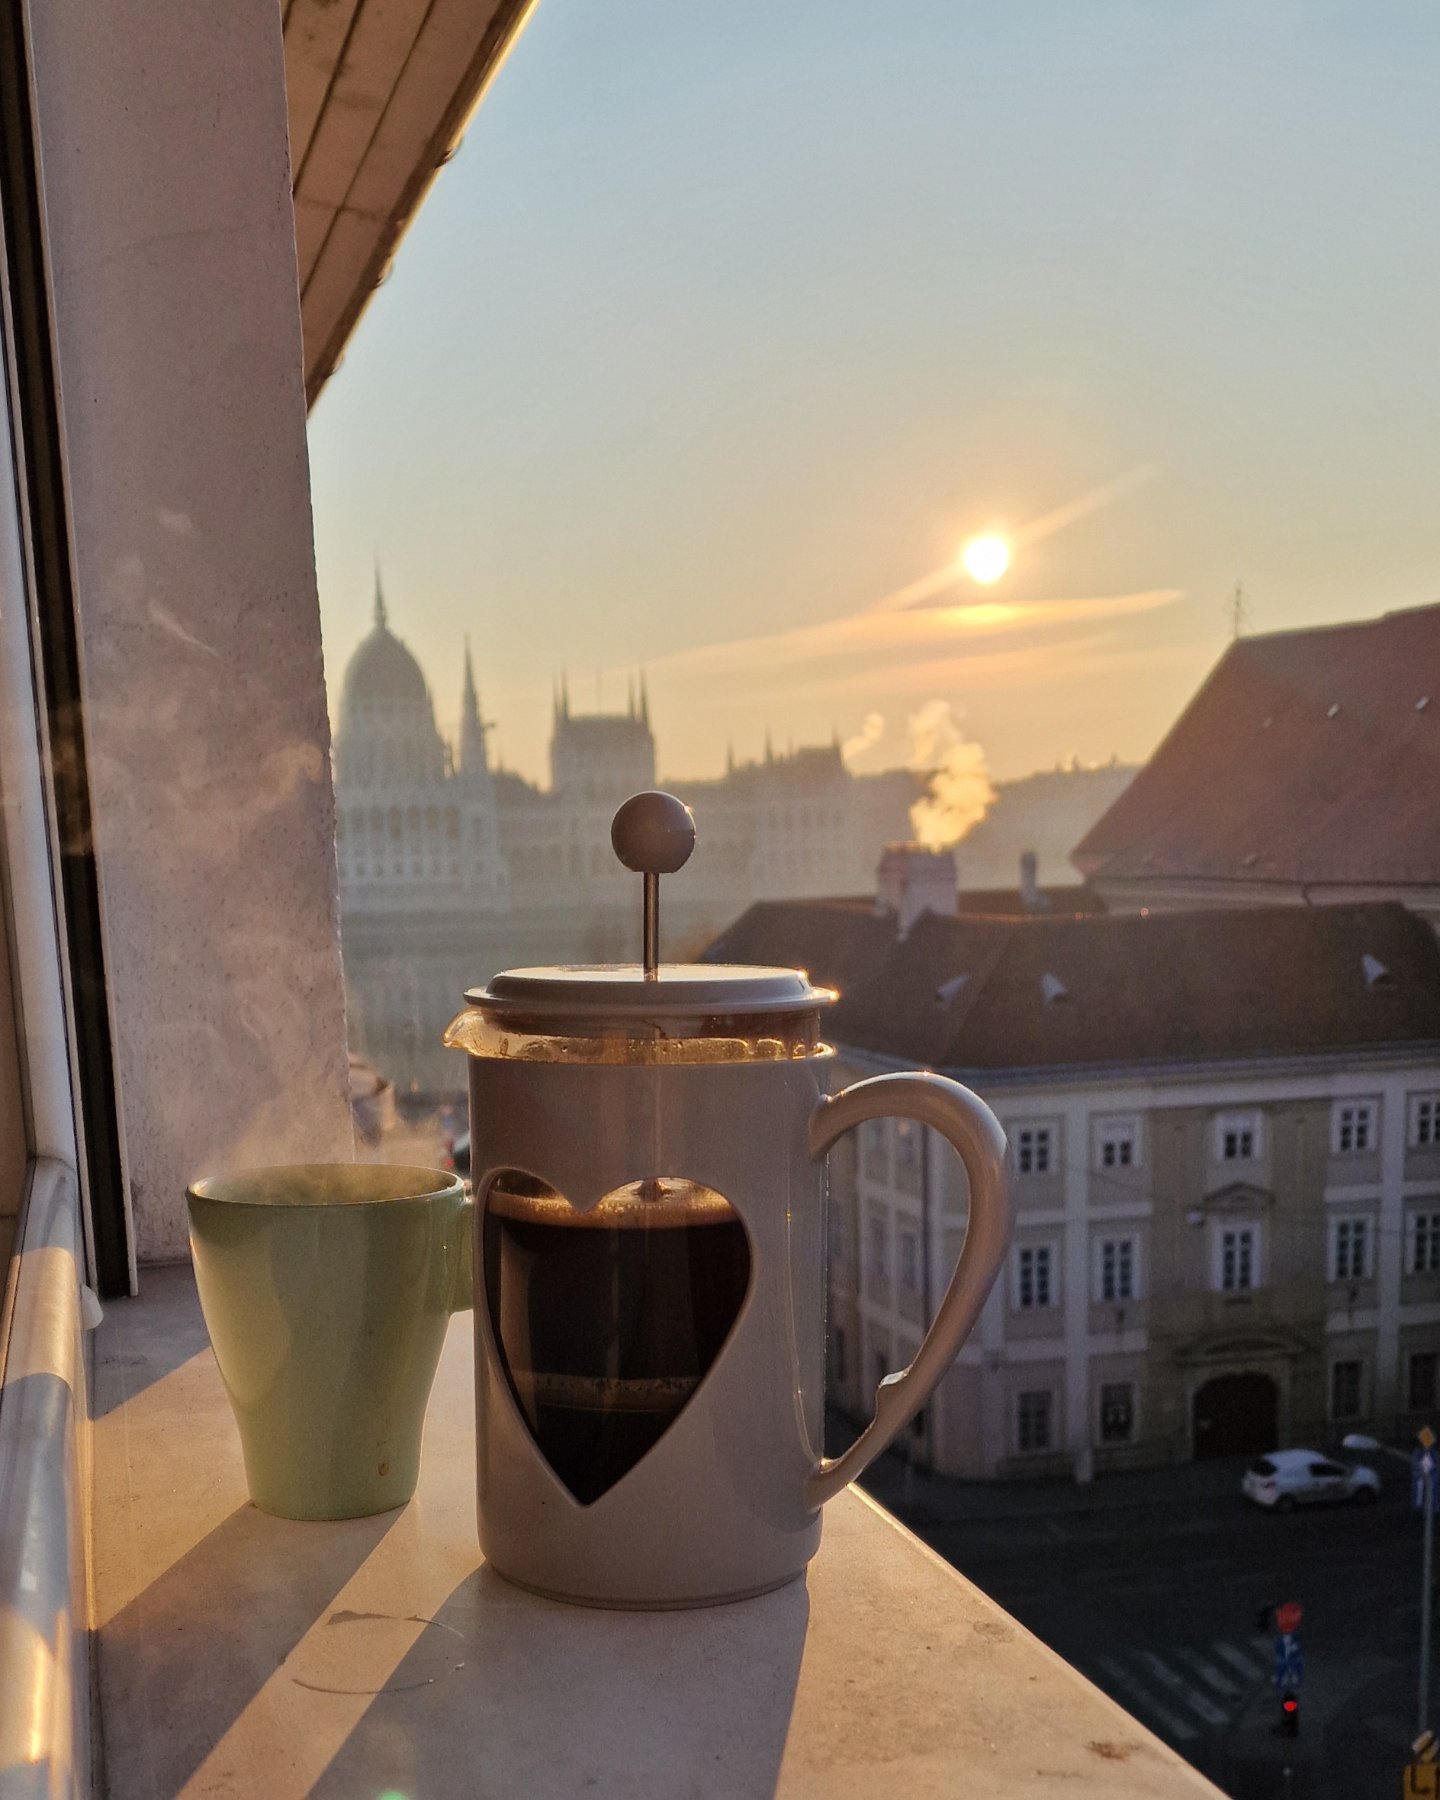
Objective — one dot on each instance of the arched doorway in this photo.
(1236, 1415)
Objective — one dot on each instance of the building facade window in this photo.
(1115, 1272)
(1424, 1133)
(1117, 1412)
(1033, 1420)
(875, 1149)
(1345, 1389)
(879, 1261)
(1237, 1136)
(908, 1155)
(1352, 1129)
(1034, 1276)
(1349, 1249)
(1035, 1149)
(1117, 1143)
(1237, 1270)
(1420, 1386)
(909, 1261)
(1425, 1243)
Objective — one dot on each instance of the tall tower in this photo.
(473, 759)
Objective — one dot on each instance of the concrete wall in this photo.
(167, 188)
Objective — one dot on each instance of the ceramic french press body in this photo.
(647, 1145)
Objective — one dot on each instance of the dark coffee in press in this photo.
(608, 1321)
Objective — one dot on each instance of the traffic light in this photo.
(1290, 1714)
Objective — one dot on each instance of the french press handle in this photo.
(968, 1123)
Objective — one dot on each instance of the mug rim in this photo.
(426, 1183)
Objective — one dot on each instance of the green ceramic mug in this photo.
(327, 1289)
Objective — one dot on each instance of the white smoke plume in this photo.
(872, 729)
(960, 789)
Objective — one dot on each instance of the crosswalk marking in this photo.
(1238, 1661)
(1210, 1683)
(1146, 1701)
(1209, 1674)
(1193, 1698)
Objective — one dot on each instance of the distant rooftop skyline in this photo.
(728, 326)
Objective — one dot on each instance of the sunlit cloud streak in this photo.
(1029, 666)
(927, 630)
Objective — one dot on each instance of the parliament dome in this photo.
(382, 671)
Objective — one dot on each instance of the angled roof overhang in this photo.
(379, 93)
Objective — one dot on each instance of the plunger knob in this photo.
(653, 833)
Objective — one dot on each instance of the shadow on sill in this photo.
(165, 1330)
(506, 1693)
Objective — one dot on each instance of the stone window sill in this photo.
(239, 1654)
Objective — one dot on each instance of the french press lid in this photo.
(653, 833)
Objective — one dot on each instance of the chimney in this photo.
(1031, 899)
(912, 880)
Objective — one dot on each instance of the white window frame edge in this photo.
(1056, 1301)
(1107, 1235)
(1367, 1261)
(1100, 1122)
(1412, 1117)
(1233, 1116)
(1367, 1382)
(1218, 1227)
(1353, 1102)
(1014, 1127)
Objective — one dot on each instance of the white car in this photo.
(1286, 1479)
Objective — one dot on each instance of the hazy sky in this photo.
(729, 321)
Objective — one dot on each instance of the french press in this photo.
(647, 1145)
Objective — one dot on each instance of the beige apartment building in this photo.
(1225, 1130)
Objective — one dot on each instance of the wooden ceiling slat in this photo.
(368, 131)
(315, 38)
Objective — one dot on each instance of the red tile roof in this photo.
(1132, 990)
(1307, 756)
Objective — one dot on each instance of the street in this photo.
(1151, 1583)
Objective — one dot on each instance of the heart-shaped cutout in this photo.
(608, 1321)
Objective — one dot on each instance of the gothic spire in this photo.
(381, 619)
(644, 700)
(473, 760)
(470, 700)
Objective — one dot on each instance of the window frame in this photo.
(1034, 1139)
(1130, 1241)
(1115, 1129)
(1049, 1249)
(1427, 1213)
(1247, 1228)
(1347, 1363)
(1358, 1117)
(1018, 1432)
(1344, 1233)
(1238, 1120)
(1422, 1114)
(908, 1240)
(1132, 1387)
(877, 1231)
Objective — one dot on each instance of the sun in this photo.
(985, 559)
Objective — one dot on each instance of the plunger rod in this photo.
(652, 926)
